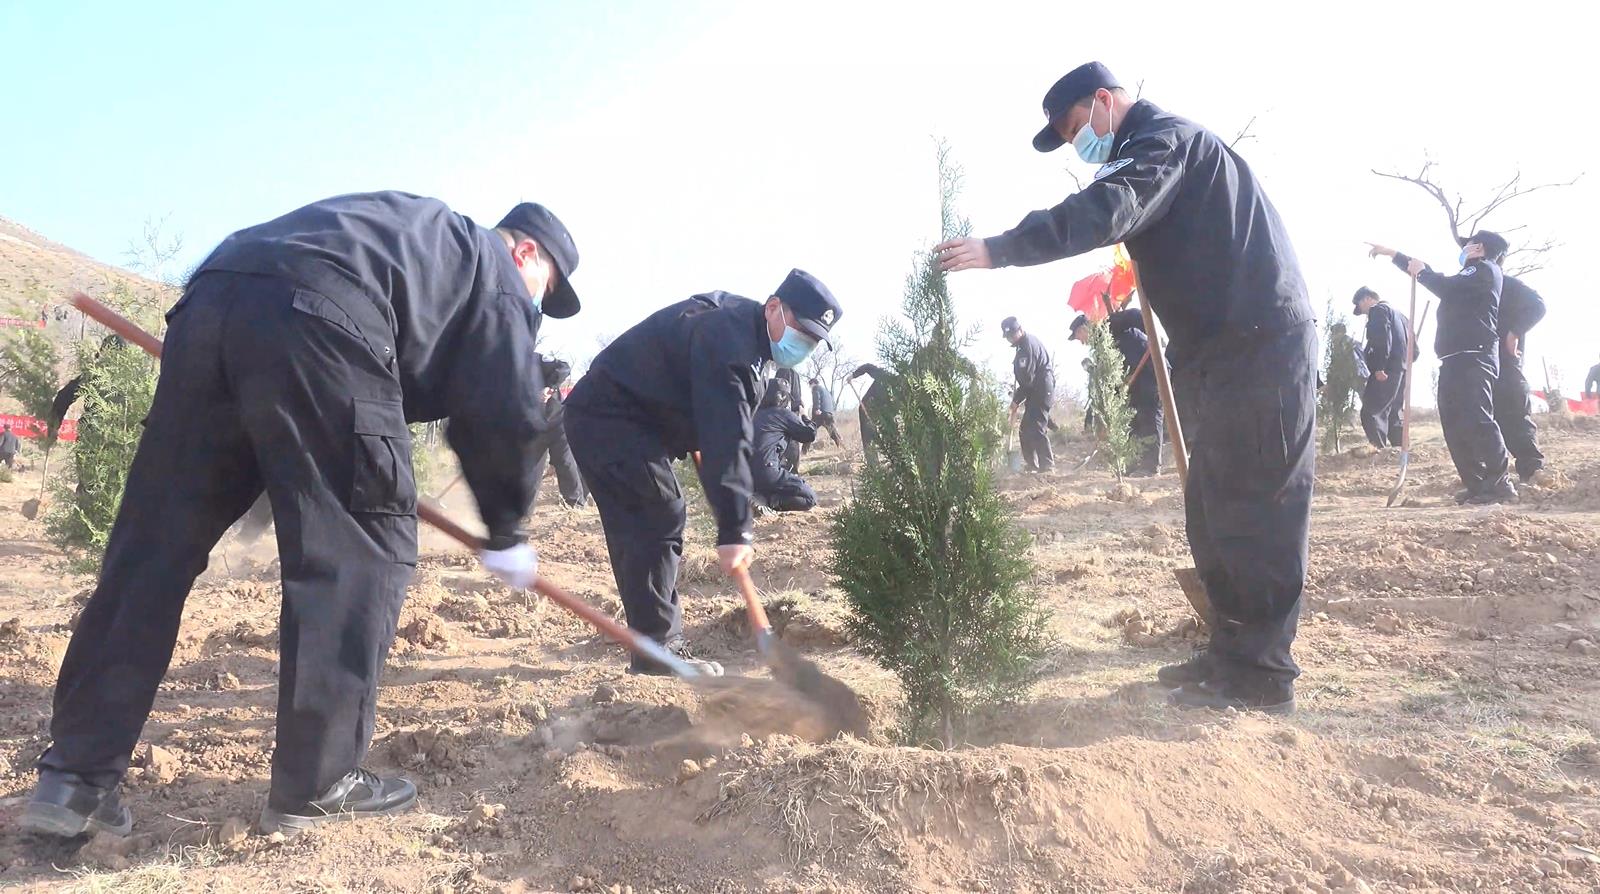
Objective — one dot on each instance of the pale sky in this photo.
(693, 146)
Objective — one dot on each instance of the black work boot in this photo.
(65, 805)
(1218, 695)
(1462, 496)
(679, 647)
(360, 793)
(1197, 668)
(1505, 493)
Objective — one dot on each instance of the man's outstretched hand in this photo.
(966, 253)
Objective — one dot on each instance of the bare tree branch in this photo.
(1077, 183)
(1243, 134)
(1468, 222)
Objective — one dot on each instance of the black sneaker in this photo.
(1219, 696)
(1197, 668)
(1506, 493)
(1462, 496)
(678, 646)
(66, 806)
(360, 793)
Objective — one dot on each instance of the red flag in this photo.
(1121, 276)
(1089, 295)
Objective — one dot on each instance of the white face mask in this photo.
(536, 277)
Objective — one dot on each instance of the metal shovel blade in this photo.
(1194, 589)
(1405, 461)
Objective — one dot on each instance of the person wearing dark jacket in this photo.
(796, 403)
(1591, 382)
(1216, 263)
(292, 362)
(687, 378)
(874, 402)
(1383, 396)
(1466, 339)
(774, 427)
(1035, 393)
(551, 447)
(1521, 309)
(9, 447)
(822, 409)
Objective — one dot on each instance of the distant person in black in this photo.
(1466, 342)
(1591, 383)
(293, 361)
(1035, 392)
(1146, 426)
(551, 448)
(822, 408)
(774, 427)
(688, 378)
(9, 447)
(1217, 265)
(874, 403)
(1521, 309)
(1383, 396)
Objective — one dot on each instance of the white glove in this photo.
(517, 566)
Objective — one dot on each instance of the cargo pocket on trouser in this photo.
(383, 486)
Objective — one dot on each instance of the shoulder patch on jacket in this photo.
(1468, 271)
(1108, 170)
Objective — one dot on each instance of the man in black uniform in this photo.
(1591, 382)
(551, 448)
(1216, 262)
(874, 402)
(822, 409)
(774, 427)
(1521, 309)
(687, 378)
(293, 361)
(1388, 340)
(1034, 394)
(10, 445)
(1469, 305)
(1143, 397)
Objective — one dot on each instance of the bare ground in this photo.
(1447, 737)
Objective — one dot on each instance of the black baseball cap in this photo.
(1078, 323)
(814, 306)
(1064, 94)
(1494, 244)
(545, 228)
(1009, 325)
(1361, 293)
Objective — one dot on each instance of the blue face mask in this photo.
(1092, 148)
(792, 349)
(1463, 257)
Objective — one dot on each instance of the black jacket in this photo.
(1591, 382)
(1469, 305)
(797, 401)
(1214, 257)
(442, 297)
(1387, 339)
(1521, 309)
(691, 373)
(1131, 318)
(1134, 344)
(773, 428)
(1036, 377)
(554, 372)
(9, 443)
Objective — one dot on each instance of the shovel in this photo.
(1194, 589)
(31, 507)
(1013, 456)
(1405, 430)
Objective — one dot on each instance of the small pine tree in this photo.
(1108, 389)
(117, 388)
(1341, 381)
(28, 364)
(927, 555)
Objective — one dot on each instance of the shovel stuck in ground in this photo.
(1194, 589)
(840, 708)
(1405, 428)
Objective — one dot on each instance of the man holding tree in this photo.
(1217, 265)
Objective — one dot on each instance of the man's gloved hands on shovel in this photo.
(516, 566)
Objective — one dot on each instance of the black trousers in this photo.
(1034, 435)
(629, 474)
(1150, 427)
(784, 490)
(869, 436)
(1382, 404)
(551, 449)
(1513, 412)
(1466, 413)
(1248, 499)
(263, 385)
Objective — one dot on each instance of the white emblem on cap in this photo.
(827, 317)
